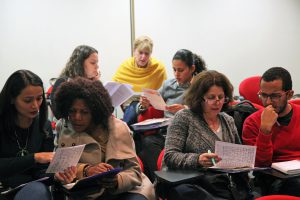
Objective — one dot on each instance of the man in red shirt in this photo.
(275, 130)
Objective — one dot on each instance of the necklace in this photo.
(23, 150)
(213, 125)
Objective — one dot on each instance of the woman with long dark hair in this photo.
(26, 139)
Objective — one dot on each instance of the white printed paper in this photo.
(235, 155)
(118, 92)
(155, 99)
(64, 158)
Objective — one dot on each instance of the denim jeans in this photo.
(130, 115)
(34, 191)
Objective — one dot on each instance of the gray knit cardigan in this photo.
(189, 136)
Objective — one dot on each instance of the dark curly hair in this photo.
(200, 86)
(278, 73)
(92, 92)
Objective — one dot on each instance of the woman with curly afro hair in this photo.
(86, 118)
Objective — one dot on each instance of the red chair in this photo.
(140, 163)
(49, 92)
(160, 160)
(278, 197)
(295, 101)
(249, 88)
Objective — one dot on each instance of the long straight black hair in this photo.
(11, 90)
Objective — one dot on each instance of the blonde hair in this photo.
(143, 43)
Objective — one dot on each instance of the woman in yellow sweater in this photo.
(140, 71)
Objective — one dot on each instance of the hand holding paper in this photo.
(67, 176)
(155, 99)
(64, 158)
(208, 159)
(235, 155)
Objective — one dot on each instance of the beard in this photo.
(282, 109)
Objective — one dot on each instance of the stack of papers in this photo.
(151, 124)
(287, 167)
(118, 92)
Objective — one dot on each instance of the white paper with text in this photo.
(64, 158)
(118, 92)
(235, 155)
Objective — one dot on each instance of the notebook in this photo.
(151, 124)
(287, 167)
(92, 180)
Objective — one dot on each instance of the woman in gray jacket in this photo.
(194, 131)
(86, 111)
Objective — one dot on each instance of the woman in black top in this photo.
(26, 143)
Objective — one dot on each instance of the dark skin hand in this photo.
(108, 182)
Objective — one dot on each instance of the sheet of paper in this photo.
(155, 98)
(118, 92)
(111, 87)
(64, 158)
(152, 121)
(235, 155)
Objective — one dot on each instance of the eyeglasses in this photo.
(273, 96)
(215, 99)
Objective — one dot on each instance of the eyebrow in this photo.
(32, 96)
(271, 93)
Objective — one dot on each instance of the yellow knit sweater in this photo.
(151, 76)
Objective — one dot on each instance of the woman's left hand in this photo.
(67, 176)
(174, 108)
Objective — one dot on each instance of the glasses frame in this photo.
(272, 98)
(215, 100)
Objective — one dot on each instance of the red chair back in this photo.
(249, 88)
(140, 163)
(295, 101)
(278, 197)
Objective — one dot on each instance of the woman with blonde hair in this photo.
(140, 71)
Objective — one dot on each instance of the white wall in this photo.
(240, 38)
(40, 35)
(237, 37)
